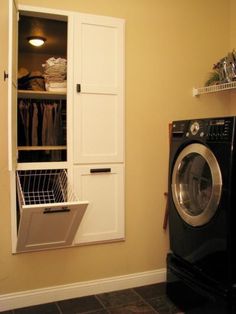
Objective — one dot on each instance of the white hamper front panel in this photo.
(49, 211)
(43, 228)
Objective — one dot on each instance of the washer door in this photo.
(196, 184)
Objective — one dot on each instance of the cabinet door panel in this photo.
(98, 106)
(44, 227)
(99, 129)
(12, 83)
(96, 39)
(101, 53)
(103, 187)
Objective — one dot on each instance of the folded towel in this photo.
(57, 84)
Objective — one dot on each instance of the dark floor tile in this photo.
(151, 291)
(80, 305)
(163, 305)
(118, 298)
(211, 308)
(104, 311)
(49, 308)
(139, 307)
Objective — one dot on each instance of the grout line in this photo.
(58, 307)
(145, 302)
(100, 302)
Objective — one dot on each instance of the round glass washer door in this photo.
(196, 184)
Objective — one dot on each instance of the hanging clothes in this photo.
(48, 134)
(23, 123)
(35, 125)
(40, 123)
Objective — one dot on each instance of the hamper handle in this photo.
(51, 211)
(97, 170)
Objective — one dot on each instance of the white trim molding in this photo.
(79, 289)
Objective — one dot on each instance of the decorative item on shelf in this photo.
(224, 71)
(223, 76)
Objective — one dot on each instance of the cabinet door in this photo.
(103, 187)
(12, 83)
(44, 227)
(99, 98)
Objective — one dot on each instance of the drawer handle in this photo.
(51, 211)
(98, 170)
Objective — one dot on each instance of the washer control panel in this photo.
(216, 129)
(219, 129)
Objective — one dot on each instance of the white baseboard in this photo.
(52, 294)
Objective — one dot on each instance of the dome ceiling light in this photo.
(36, 41)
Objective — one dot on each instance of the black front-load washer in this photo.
(202, 202)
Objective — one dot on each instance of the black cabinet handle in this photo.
(78, 88)
(5, 75)
(98, 170)
(52, 211)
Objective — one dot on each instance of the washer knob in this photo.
(194, 128)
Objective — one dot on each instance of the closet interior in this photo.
(42, 86)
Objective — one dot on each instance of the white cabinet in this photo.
(91, 146)
(99, 102)
(103, 186)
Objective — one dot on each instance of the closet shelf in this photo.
(213, 88)
(41, 94)
(30, 148)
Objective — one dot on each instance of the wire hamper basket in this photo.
(50, 212)
(44, 187)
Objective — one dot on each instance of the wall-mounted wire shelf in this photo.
(213, 88)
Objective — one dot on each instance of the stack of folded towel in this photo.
(55, 74)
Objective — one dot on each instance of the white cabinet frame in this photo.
(109, 90)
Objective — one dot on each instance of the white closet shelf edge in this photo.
(41, 94)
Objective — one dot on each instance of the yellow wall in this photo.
(170, 47)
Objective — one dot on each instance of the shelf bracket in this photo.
(195, 92)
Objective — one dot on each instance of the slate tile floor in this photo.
(149, 299)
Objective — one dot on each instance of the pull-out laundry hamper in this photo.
(50, 212)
